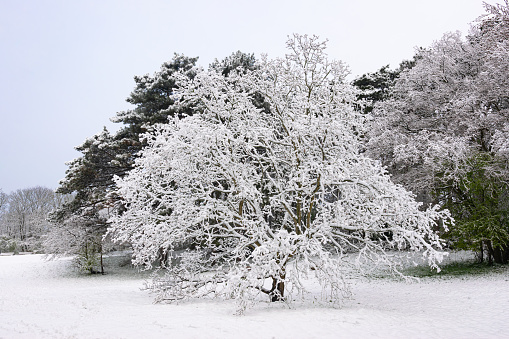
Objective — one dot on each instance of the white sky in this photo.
(66, 67)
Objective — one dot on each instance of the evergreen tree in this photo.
(104, 156)
(235, 61)
(377, 87)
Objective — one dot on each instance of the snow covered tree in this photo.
(445, 114)
(24, 217)
(428, 102)
(376, 87)
(3, 199)
(4, 238)
(153, 101)
(233, 63)
(80, 237)
(266, 198)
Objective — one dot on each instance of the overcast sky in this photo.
(66, 67)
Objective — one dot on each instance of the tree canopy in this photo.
(266, 197)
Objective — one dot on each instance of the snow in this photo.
(48, 299)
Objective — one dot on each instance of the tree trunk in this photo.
(481, 252)
(278, 290)
(162, 255)
(101, 253)
(500, 254)
(490, 252)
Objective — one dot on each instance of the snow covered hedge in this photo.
(269, 184)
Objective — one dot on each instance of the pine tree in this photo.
(104, 156)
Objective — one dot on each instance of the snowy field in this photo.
(41, 299)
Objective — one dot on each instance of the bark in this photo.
(162, 257)
(500, 254)
(102, 264)
(481, 252)
(278, 290)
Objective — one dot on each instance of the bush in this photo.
(89, 258)
(8, 244)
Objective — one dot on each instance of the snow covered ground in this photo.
(41, 299)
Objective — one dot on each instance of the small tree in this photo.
(78, 237)
(267, 198)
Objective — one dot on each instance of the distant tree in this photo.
(266, 198)
(4, 198)
(24, 217)
(79, 237)
(420, 110)
(443, 132)
(4, 239)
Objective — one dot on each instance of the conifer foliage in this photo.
(79, 225)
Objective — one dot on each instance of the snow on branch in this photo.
(263, 195)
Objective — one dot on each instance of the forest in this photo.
(243, 180)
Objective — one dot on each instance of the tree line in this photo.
(24, 218)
